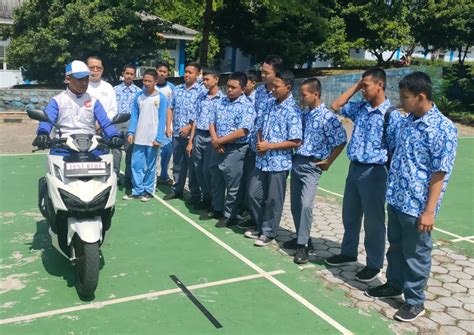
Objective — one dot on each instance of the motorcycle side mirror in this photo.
(37, 114)
(121, 118)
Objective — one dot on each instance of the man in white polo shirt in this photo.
(99, 88)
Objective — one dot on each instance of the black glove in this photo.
(41, 141)
(116, 142)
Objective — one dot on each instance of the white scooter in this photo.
(77, 198)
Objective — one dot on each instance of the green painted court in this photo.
(247, 289)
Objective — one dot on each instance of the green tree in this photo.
(335, 47)
(46, 35)
(290, 28)
(443, 24)
(377, 26)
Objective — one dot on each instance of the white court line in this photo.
(258, 269)
(100, 304)
(467, 238)
(437, 229)
(27, 154)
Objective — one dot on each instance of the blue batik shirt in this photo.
(322, 132)
(233, 115)
(184, 104)
(281, 123)
(423, 146)
(206, 109)
(125, 96)
(263, 100)
(366, 144)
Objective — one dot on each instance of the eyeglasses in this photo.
(96, 68)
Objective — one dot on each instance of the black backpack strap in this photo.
(386, 118)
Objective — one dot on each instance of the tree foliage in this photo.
(47, 34)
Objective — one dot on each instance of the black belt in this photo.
(206, 132)
(367, 164)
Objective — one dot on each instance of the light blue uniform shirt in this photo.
(366, 144)
(206, 109)
(281, 123)
(125, 96)
(233, 115)
(322, 132)
(263, 100)
(183, 103)
(423, 146)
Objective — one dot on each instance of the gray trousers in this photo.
(200, 159)
(364, 195)
(117, 154)
(226, 173)
(266, 197)
(304, 182)
(408, 256)
(181, 162)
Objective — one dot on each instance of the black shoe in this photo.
(367, 274)
(340, 260)
(245, 225)
(146, 197)
(203, 205)
(383, 291)
(225, 222)
(409, 313)
(173, 195)
(211, 215)
(193, 201)
(293, 244)
(301, 256)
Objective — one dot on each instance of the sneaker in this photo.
(173, 195)
(146, 197)
(225, 222)
(293, 245)
(367, 274)
(383, 291)
(252, 233)
(340, 260)
(301, 256)
(246, 225)
(131, 197)
(263, 241)
(212, 214)
(409, 313)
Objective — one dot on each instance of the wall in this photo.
(333, 86)
(18, 99)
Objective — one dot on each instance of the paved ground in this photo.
(450, 292)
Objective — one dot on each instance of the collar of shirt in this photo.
(131, 88)
(240, 100)
(289, 102)
(428, 118)
(315, 111)
(218, 95)
(381, 108)
(194, 86)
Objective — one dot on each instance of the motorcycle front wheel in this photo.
(87, 267)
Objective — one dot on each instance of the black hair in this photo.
(287, 77)
(314, 85)
(251, 75)
(212, 72)
(417, 83)
(151, 72)
(195, 64)
(161, 64)
(240, 77)
(378, 74)
(275, 61)
(94, 57)
(129, 66)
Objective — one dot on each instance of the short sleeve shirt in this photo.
(184, 104)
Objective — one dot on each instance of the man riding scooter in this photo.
(77, 195)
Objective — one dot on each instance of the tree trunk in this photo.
(206, 29)
(461, 61)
